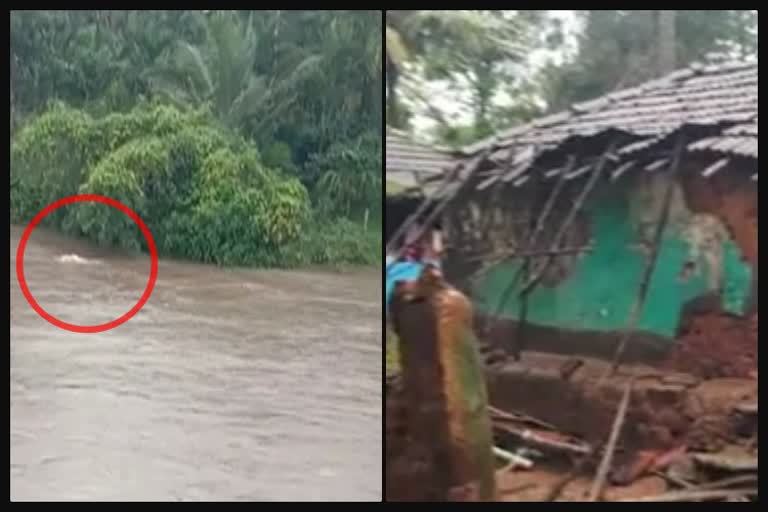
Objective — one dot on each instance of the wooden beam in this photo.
(645, 281)
(596, 174)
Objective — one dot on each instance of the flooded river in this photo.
(228, 385)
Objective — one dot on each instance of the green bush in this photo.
(334, 242)
(346, 178)
(203, 192)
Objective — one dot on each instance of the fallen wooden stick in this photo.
(610, 448)
(521, 417)
(650, 262)
(513, 459)
(679, 496)
(727, 482)
(721, 463)
(529, 437)
(674, 480)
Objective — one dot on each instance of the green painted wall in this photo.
(602, 286)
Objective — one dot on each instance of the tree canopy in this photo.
(503, 68)
(290, 99)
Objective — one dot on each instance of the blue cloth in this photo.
(401, 271)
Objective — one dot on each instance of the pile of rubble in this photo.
(545, 463)
(679, 439)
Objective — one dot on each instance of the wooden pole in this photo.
(605, 464)
(450, 179)
(650, 265)
(577, 205)
(531, 241)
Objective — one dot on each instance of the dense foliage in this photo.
(204, 193)
(240, 137)
(619, 49)
(507, 67)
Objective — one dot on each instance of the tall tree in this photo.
(220, 72)
(482, 52)
(667, 45)
(620, 49)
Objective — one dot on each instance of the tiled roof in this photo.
(710, 95)
(409, 163)
(740, 140)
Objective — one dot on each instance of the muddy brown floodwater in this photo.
(228, 385)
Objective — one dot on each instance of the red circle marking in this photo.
(77, 199)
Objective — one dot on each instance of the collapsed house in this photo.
(582, 192)
(623, 230)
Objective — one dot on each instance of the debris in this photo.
(518, 417)
(644, 462)
(728, 482)
(513, 460)
(682, 470)
(640, 464)
(605, 464)
(545, 440)
(569, 368)
(732, 463)
(674, 479)
(681, 496)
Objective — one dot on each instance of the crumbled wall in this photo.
(715, 344)
(709, 248)
(596, 291)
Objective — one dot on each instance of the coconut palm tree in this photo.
(446, 43)
(221, 73)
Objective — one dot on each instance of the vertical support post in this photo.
(650, 264)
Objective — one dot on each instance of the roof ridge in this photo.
(596, 104)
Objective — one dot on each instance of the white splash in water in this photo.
(74, 258)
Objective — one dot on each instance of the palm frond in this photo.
(251, 100)
(190, 59)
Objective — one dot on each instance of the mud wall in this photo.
(716, 344)
(596, 291)
(713, 342)
(666, 408)
(709, 249)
